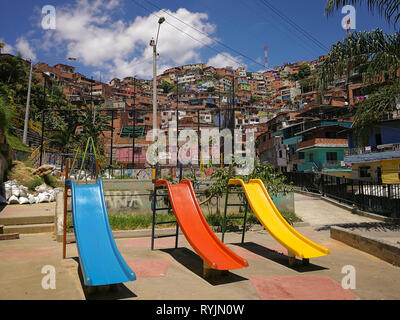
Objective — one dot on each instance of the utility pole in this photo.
(112, 136)
(43, 123)
(177, 121)
(134, 123)
(199, 135)
(26, 123)
(154, 45)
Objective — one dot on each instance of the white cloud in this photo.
(224, 59)
(90, 33)
(7, 47)
(22, 45)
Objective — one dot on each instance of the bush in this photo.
(6, 115)
(33, 183)
(52, 181)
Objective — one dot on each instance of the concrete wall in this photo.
(379, 248)
(135, 197)
(136, 202)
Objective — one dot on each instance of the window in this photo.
(311, 157)
(363, 172)
(280, 154)
(331, 156)
(379, 174)
(378, 139)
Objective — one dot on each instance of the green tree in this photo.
(94, 123)
(167, 87)
(304, 71)
(274, 180)
(376, 56)
(6, 114)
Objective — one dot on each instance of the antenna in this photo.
(348, 23)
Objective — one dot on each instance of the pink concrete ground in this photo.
(300, 288)
(168, 274)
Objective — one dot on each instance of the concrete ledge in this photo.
(381, 249)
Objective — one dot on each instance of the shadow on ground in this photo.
(278, 257)
(114, 292)
(370, 226)
(194, 263)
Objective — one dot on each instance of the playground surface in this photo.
(176, 274)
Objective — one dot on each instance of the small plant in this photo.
(52, 181)
(35, 182)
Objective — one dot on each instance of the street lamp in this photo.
(26, 123)
(154, 45)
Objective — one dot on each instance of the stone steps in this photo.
(35, 218)
(28, 219)
(29, 228)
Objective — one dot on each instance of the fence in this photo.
(376, 197)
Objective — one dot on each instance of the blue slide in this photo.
(100, 259)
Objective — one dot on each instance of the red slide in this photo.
(196, 229)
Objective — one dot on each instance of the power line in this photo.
(202, 32)
(295, 25)
(190, 36)
(283, 28)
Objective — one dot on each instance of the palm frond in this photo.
(378, 51)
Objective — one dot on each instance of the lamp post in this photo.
(26, 122)
(154, 45)
(133, 122)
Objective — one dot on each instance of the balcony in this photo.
(372, 149)
(371, 153)
(323, 143)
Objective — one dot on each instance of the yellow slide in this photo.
(269, 216)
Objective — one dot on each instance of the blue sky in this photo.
(110, 38)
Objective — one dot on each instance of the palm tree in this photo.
(374, 54)
(390, 9)
(375, 51)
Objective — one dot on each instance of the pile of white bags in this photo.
(18, 194)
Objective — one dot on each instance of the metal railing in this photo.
(376, 197)
(374, 149)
